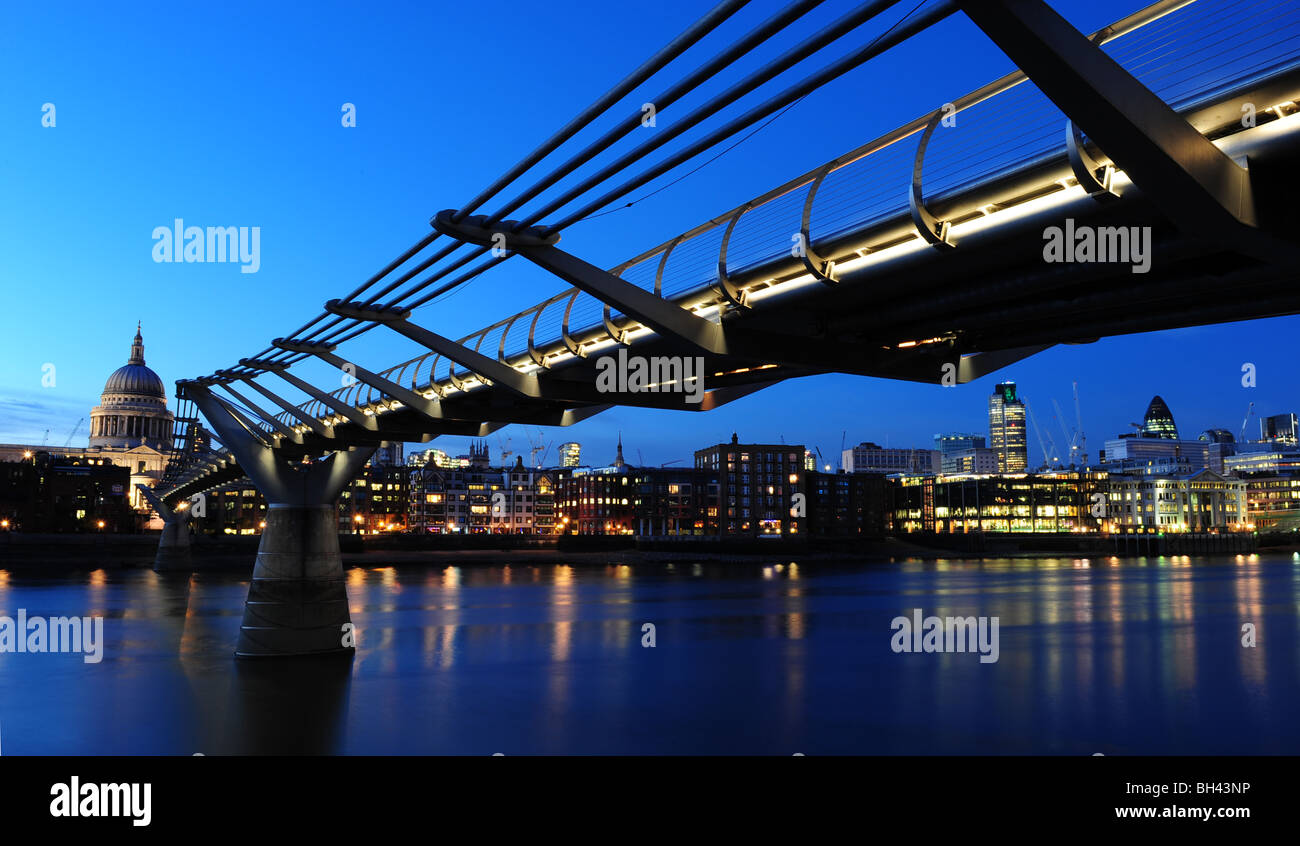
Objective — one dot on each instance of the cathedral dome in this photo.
(135, 379)
(133, 408)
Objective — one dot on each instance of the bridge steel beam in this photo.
(337, 405)
(669, 320)
(1187, 177)
(263, 414)
(661, 315)
(297, 601)
(524, 384)
(173, 553)
(324, 430)
(430, 408)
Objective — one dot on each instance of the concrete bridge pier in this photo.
(174, 545)
(297, 602)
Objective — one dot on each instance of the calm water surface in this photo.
(1134, 656)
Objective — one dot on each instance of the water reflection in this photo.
(1112, 655)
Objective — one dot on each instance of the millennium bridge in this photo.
(919, 255)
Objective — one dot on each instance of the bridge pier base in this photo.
(297, 602)
(173, 555)
(174, 546)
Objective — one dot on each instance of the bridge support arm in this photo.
(271, 419)
(338, 406)
(407, 397)
(661, 315)
(524, 384)
(317, 426)
(1186, 176)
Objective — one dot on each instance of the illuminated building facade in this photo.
(1273, 503)
(1280, 429)
(1266, 458)
(376, 502)
(1042, 502)
(57, 494)
(760, 487)
(1189, 502)
(1158, 422)
(1007, 435)
(977, 460)
(596, 502)
(233, 509)
(952, 442)
(571, 454)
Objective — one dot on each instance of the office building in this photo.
(977, 460)
(947, 444)
(1054, 501)
(1280, 429)
(1273, 503)
(1007, 429)
(1158, 422)
(570, 454)
(1187, 502)
(867, 457)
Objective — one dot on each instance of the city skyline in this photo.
(662, 436)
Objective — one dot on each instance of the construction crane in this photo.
(1071, 438)
(1241, 436)
(674, 461)
(505, 451)
(1047, 456)
(535, 446)
(45, 439)
(1078, 428)
(73, 433)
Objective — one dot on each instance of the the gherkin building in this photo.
(1159, 421)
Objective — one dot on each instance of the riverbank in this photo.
(73, 552)
(70, 552)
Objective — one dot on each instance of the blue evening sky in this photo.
(230, 115)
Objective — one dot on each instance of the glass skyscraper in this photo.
(570, 454)
(1007, 429)
(1159, 421)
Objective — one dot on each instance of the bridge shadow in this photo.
(270, 706)
(287, 707)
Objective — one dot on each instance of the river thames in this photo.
(1121, 657)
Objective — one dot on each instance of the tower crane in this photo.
(1241, 435)
(1078, 428)
(73, 433)
(1048, 457)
